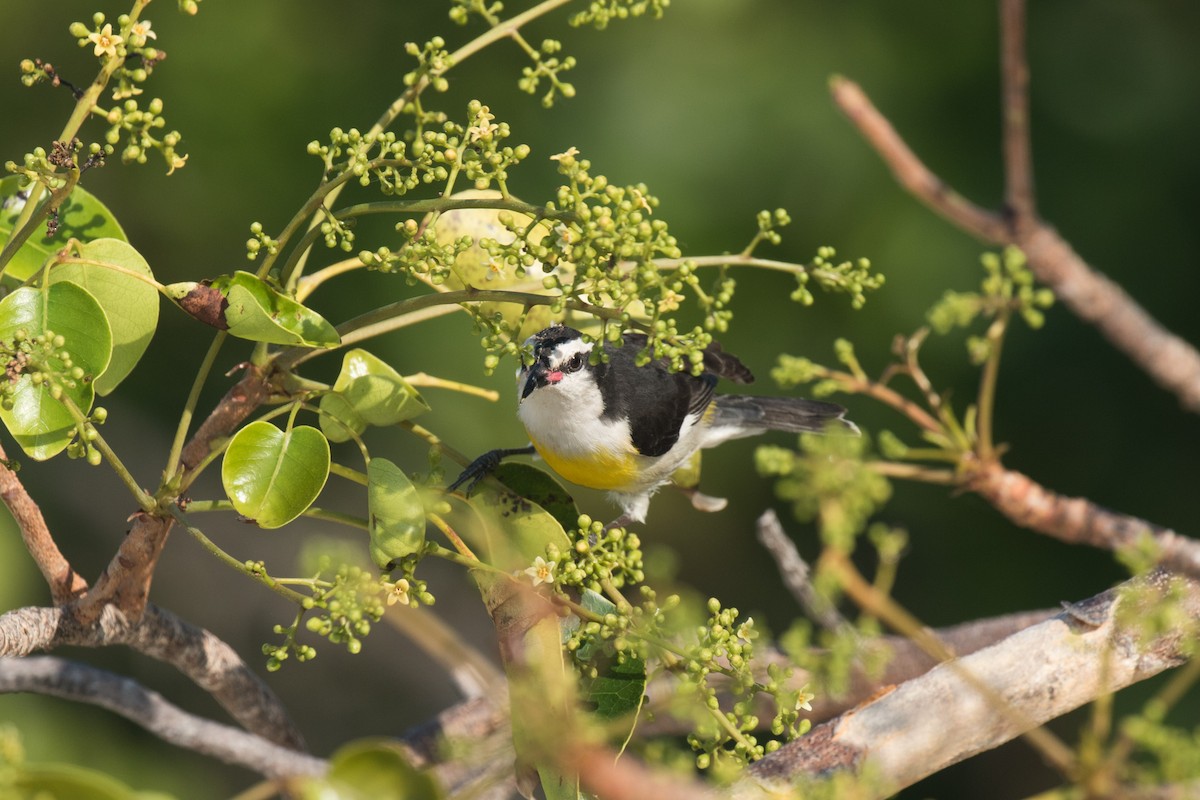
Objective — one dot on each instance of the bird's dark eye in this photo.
(575, 363)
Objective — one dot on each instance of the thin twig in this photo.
(795, 573)
(1019, 197)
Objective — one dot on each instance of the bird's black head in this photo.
(557, 352)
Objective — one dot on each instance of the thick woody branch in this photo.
(197, 653)
(1040, 673)
(1169, 360)
(1077, 520)
(65, 584)
(126, 580)
(81, 683)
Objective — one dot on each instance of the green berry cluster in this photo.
(42, 167)
(854, 278)
(128, 46)
(547, 66)
(259, 241)
(44, 360)
(433, 59)
(600, 12)
(420, 256)
(343, 608)
(724, 739)
(828, 475)
(461, 10)
(1008, 288)
(599, 558)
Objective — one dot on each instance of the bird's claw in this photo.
(476, 471)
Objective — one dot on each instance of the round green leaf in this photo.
(273, 476)
(540, 487)
(517, 530)
(129, 303)
(41, 425)
(372, 770)
(338, 419)
(75, 782)
(397, 516)
(81, 217)
(377, 392)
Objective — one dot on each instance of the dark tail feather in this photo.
(794, 414)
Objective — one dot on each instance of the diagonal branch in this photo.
(197, 653)
(85, 684)
(64, 582)
(1077, 520)
(1042, 672)
(1170, 361)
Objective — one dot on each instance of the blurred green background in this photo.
(722, 109)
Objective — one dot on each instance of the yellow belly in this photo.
(604, 470)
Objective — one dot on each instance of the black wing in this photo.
(655, 400)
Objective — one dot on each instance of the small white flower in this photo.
(541, 572)
(570, 154)
(140, 32)
(105, 40)
(399, 593)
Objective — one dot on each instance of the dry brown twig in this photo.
(1171, 361)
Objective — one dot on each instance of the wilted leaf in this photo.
(248, 308)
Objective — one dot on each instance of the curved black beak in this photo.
(535, 378)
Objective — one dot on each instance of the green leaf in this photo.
(540, 487)
(338, 419)
(81, 217)
(372, 770)
(619, 688)
(129, 303)
(43, 426)
(376, 392)
(273, 476)
(515, 530)
(397, 516)
(248, 308)
(68, 780)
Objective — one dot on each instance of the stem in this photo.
(454, 538)
(422, 379)
(240, 566)
(349, 474)
(144, 500)
(35, 215)
(170, 473)
(987, 386)
(393, 316)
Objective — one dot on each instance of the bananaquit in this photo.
(626, 428)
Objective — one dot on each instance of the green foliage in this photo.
(829, 477)
(247, 307)
(121, 281)
(80, 217)
(397, 517)
(371, 770)
(273, 476)
(56, 340)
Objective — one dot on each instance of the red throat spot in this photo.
(554, 377)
